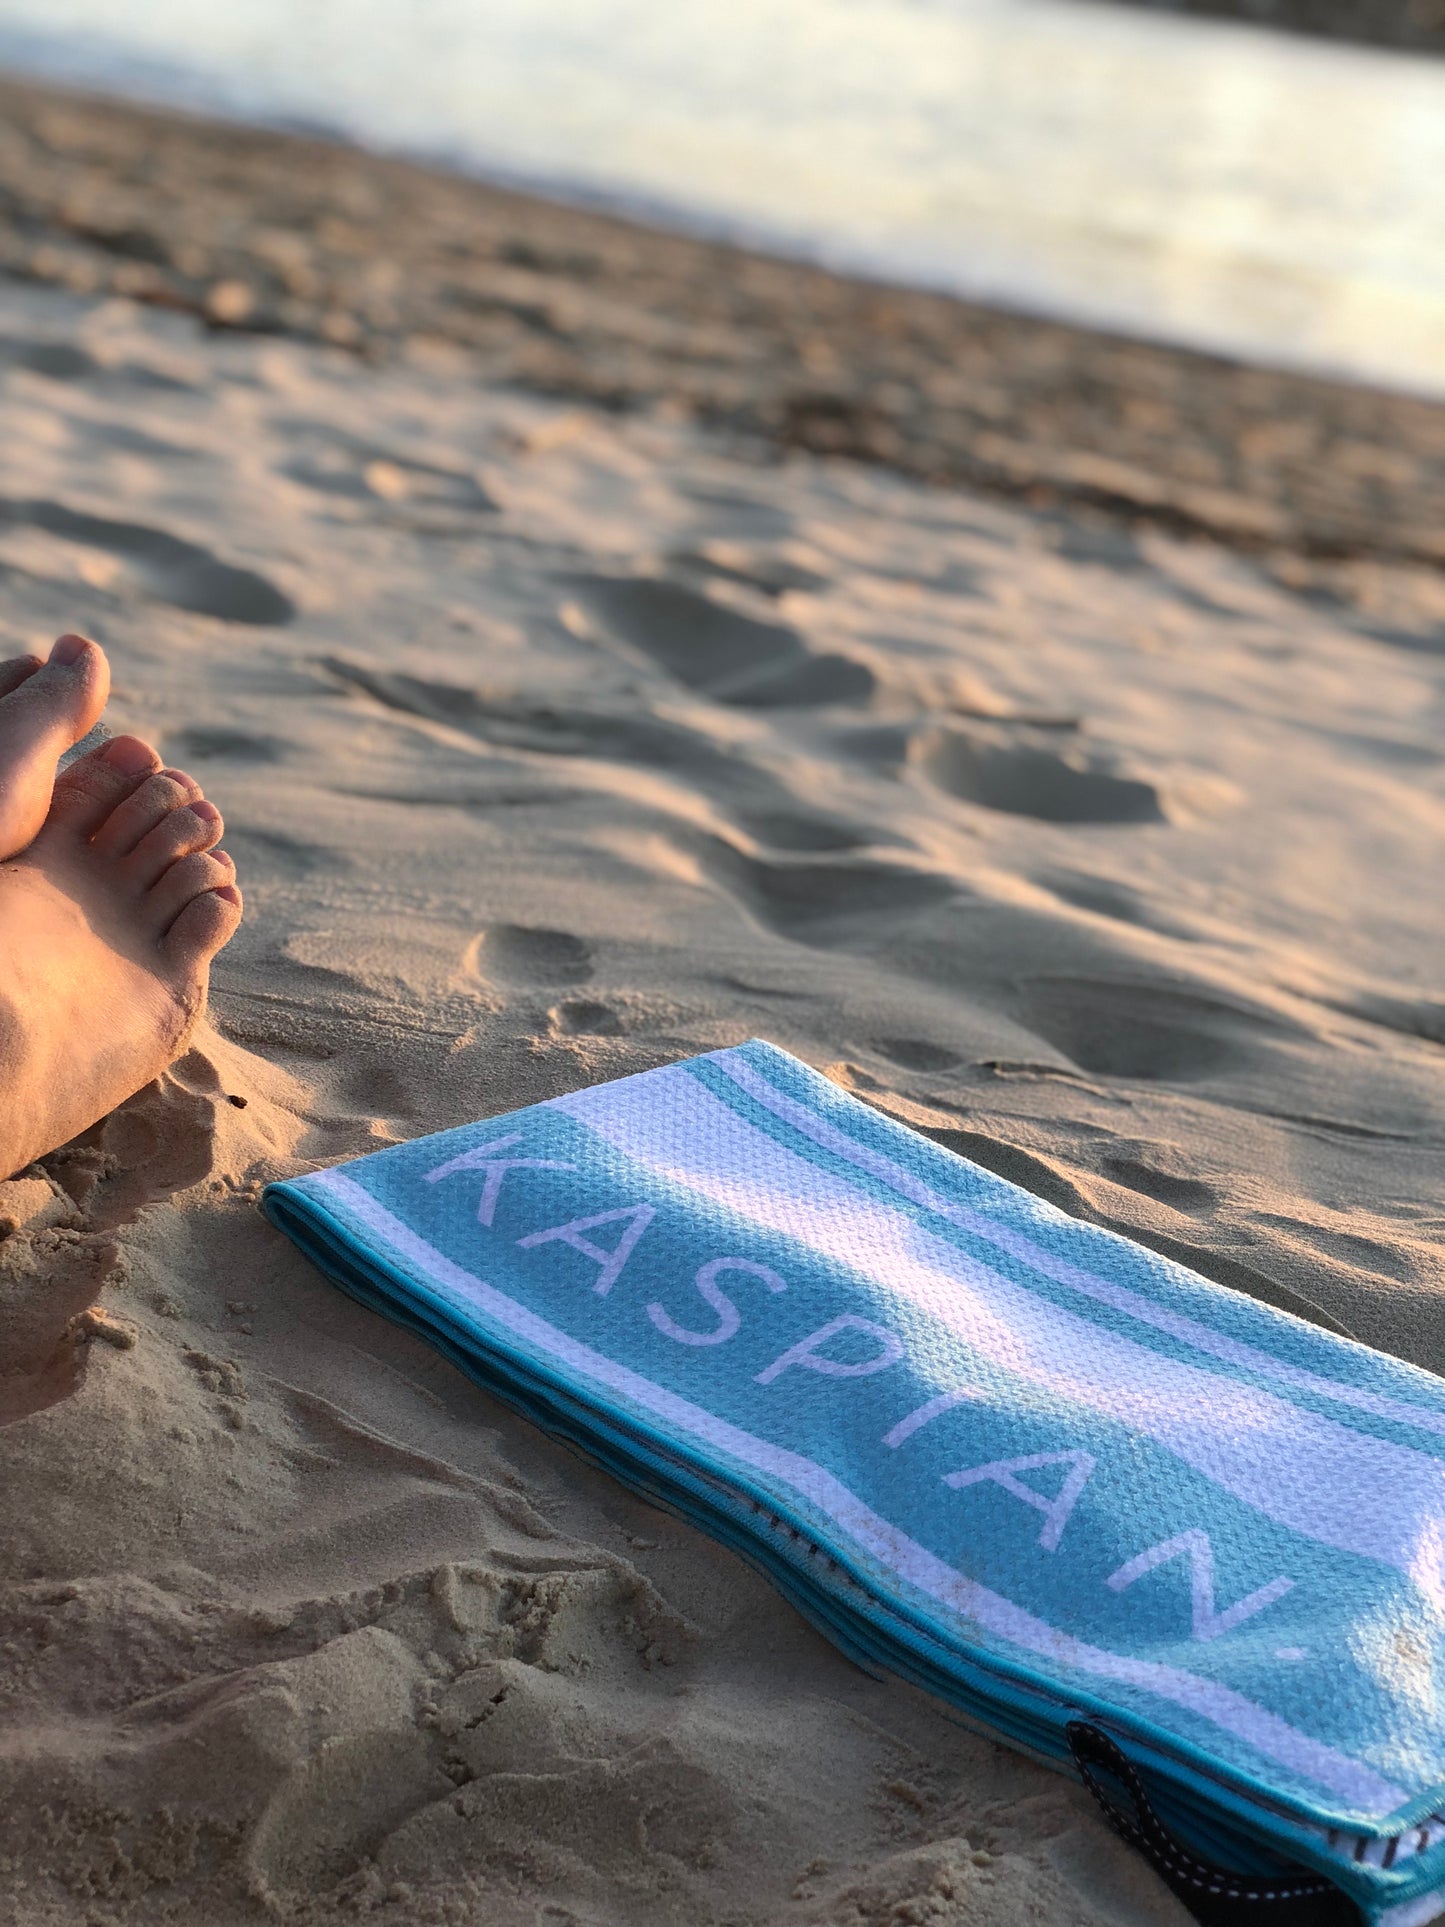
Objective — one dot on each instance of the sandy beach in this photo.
(1064, 779)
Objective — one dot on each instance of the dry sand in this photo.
(554, 745)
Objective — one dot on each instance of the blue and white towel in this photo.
(1045, 1473)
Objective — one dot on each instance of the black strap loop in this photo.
(1215, 1897)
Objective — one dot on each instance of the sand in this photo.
(266, 232)
(556, 743)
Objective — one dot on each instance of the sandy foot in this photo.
(108, 923)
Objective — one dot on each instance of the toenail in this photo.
(180, 776)
(128, 755)
(68, 650)
(224, 856)
(207, 811)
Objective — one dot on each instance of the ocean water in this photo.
(1213, 184)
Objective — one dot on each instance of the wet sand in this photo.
(1418, 26)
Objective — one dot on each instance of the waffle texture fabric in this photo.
(1034, 1467)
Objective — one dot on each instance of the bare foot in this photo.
(44, 708)
(108, 924)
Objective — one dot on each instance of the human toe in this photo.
(185, 879)
(44, 708)
(58, 699)
(187, 830)
(90, 789)
(17, 670)
(147, 805)
(208, 917)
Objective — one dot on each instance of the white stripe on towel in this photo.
(1004, 1238)
(1307, 1472)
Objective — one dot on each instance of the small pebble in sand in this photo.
(229, 302)
(97, 1323)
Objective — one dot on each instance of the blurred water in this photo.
(1173, 177)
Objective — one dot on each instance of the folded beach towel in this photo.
(1184, 1545)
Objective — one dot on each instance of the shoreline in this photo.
(1405, 26)
(271, 232)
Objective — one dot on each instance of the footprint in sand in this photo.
(363, 472)
(437, 702)
(802, 832)
(717, 650)
(914, 1054)
(585, 1017)
(517, 956)
(220, 745)
(174, 571)
(1148, 1031)
(1023, 778)
(64, 361)
(759, 801)
(56, 360)
(1119, 902)
(1142, 1168)
(842, 904)
(129, 440)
